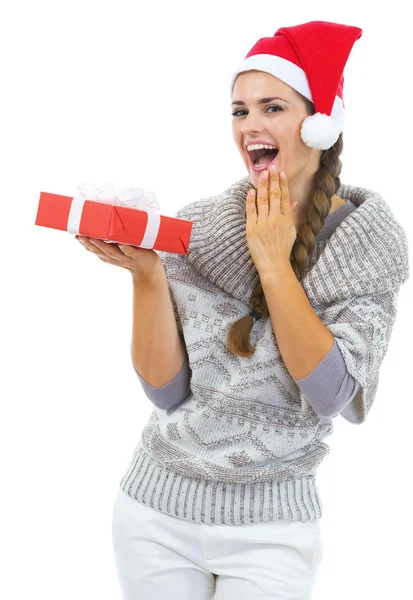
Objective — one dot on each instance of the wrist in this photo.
(153, 278)
(277, 269)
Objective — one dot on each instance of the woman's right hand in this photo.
(142, 263)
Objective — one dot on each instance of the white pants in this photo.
(160, 557)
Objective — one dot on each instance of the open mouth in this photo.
(262, 158)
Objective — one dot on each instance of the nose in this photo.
(251, 123)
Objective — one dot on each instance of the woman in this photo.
(221, 494)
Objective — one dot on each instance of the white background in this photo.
(137, 93)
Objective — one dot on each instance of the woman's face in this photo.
(275, 121)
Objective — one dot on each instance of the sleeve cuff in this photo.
(329, 387)
(172, 393)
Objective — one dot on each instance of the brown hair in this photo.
(326, 185)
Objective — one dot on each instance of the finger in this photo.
(109, 250)
(94, 250)
(275, 192)
(262, 198)
(85, 243)
(91, 247)
(251, 208)
(285, 194)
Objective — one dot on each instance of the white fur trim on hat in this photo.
(291, 74)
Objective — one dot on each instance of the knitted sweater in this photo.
(329, 387)
(244, 443)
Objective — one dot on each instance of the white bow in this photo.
(117, 195)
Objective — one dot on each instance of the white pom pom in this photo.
(320, 131)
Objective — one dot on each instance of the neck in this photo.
(302, 192)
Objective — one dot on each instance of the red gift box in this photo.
(114, 223)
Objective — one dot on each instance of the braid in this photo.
(326, 185)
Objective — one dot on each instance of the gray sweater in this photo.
(242, 440)
(329, 387)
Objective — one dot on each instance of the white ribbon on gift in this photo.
(117, 196)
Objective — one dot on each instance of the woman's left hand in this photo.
(270, 230)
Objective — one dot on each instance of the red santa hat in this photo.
(309, 58)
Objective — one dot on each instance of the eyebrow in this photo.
(262, 101)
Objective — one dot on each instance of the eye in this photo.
(275, 106)
(235, 114)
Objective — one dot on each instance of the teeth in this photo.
(260, 147)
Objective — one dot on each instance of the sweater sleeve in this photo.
(329, 387)
(173, 392)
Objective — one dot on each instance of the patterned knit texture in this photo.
(245, 444)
